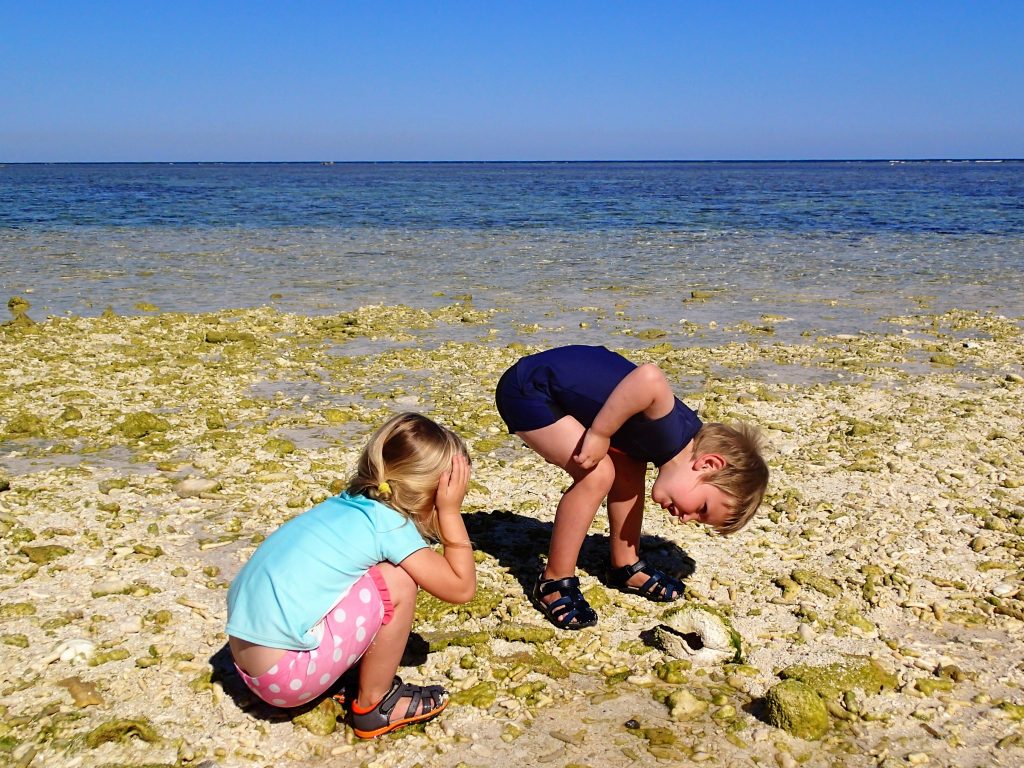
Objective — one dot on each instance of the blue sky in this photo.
(181, 81)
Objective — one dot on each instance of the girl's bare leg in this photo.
(254, 659)
(380, 662)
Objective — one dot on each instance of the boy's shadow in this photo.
(520, 544)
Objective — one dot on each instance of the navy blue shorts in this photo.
(524, 408)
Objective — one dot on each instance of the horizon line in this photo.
(329, 162)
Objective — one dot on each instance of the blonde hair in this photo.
(745, 474)
(401, 467)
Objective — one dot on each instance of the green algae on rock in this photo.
(482, 695)
(120, 730)
(433, 610)
(524, 633)
(683, 705)
(816, 581)
(438, 641)
(25, 425)
(796, 708)
(321, 720)
(142, 423)
(831, 680)
(46, 553)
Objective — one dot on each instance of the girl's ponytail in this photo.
(402, 464)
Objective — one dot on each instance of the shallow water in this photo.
(834, 246)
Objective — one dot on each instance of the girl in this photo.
(338, 582)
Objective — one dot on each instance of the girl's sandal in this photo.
(571, 610)
(659, 587)
(376, 720)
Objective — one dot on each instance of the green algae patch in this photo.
(44, 554)
(1013, 711)
(816, 582)
(279, 446)
(25, 425)
(136, 425)
(929, 686)
(683, 705)
(432, 610)
(796, 708)
(216, 336)
(539, 662)
(674, 671)
(481, 695)
(121, 730)
(523, 633)
(438, 641)
(847, 613)
(321, 720)
(597, 596)
(17, 610)
(831, 680)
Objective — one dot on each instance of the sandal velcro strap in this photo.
(569, 611)
(659, 587)
(377, 721)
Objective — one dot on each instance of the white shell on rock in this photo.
(76, 651)
(194, 486)
(1003, 589)
(697, 635)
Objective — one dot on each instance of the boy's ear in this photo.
(709, 462)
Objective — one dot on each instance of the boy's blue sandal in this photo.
(376, 721)
(571, 610)
(659, 587)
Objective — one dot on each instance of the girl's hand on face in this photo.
(451, 489)
(592, 450)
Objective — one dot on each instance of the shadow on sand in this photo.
(519, 543)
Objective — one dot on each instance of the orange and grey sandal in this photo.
(376, 720)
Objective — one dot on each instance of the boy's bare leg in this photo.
(557, 443)
(626, 512)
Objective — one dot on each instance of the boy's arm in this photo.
(644, 390)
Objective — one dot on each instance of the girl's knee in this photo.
(401, 586)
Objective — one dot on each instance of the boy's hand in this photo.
(452, 487)
(592, 450)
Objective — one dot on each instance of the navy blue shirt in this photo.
(577, 381)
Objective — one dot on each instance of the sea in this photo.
(603, 247)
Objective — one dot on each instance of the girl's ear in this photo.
(709, 462)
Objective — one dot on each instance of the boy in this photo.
(602, 419)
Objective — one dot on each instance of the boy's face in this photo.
(681, 490)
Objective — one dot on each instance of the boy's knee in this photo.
(602, 476)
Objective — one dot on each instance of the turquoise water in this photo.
(833, 245)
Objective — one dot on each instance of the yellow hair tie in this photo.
(383, 488)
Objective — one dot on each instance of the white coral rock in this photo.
(697, 635)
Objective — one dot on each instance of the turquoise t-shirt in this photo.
(304, 567)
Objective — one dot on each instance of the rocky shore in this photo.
(871, 615)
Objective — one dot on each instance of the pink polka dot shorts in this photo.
(348, 629)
